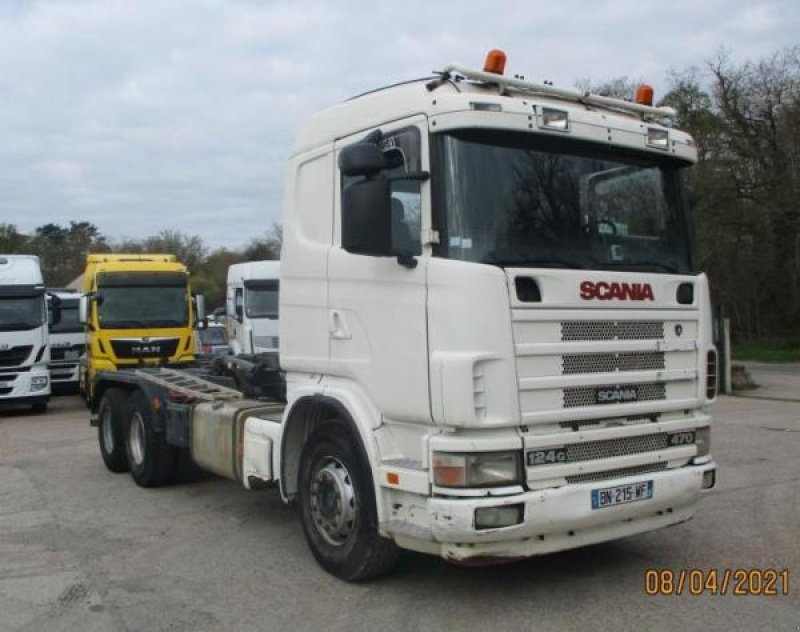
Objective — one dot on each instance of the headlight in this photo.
(487, 469)
(702, 439)
(38, 383)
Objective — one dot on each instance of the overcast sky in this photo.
(142, 115)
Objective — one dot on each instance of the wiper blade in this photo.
(545, 262)
(669, 267)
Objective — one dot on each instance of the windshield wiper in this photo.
(527, 262)
(669, 267)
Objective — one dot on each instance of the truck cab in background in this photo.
(138, 310)
(67, 340)
(252, 307)
(24, 353)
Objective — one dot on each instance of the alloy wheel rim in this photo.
(333, 501)
(137, 434)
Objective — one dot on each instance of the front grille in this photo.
(59, 353)
(611, 362)
(8, 377)
(618, 473)
(578, 423)
(608, 448)
(611, 330)
(5, 391)
(575, 396)
(15, 355)
(155, 348)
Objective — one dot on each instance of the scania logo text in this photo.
(616, 395)
(603, 291)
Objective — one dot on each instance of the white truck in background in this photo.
(67, 340)
(496, 340)
(24, 352)
(252, 307)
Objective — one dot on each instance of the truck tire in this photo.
(337, 507)
(153, 461)
(39, 408)
(112, 417)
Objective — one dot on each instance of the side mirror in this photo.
(54, 309)
(200, 307)
(83, 309)
(367, 218)
(361, 159)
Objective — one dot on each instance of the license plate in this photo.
(621, 494)
(71, 355)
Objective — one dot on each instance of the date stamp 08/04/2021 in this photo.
(767, 582)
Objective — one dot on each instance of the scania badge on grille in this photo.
(616, 394)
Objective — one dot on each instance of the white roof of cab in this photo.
(405, 100)
(262, 270)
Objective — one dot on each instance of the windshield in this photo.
(515, 199)
(69, 319)
(142, 307)
(213, 336)
(18, 313)
(261, 300)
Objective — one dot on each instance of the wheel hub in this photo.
(333, 505)
(136, 436)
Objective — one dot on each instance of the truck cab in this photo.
(67, 339)
(252, 307)
(24, 352)
(492, 283)
(138, 310)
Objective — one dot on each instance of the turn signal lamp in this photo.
(495, 62)
(644, 95)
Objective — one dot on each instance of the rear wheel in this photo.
(112, 416)
(337, 507)
(152, 460)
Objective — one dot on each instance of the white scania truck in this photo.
(24, 352)
(252, 307)
(496, 340)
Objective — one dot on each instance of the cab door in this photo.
(377, 313)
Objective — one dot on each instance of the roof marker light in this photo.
(495, 62)
(644, 95)
(555, 119)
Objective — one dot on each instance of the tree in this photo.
(11, 240)
(747, 186)
(63, 250)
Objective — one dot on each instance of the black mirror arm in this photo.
(418, 176)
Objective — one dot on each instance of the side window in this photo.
(238, 303)
(403, 153)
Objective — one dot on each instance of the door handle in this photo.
(338, 326)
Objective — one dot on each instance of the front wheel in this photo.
(153, 461)
(337, 507)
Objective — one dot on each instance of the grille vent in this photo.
(609, 448)
(618, 473)
(15, 355)
(611, 362)
(575, 396)
(611, 330)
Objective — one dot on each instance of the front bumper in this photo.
(562, 518)
(20, 389)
